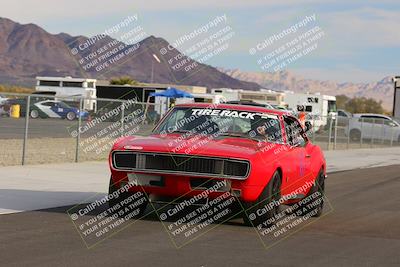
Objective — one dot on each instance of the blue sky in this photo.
(361, 41)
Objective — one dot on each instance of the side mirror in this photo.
(307, 126)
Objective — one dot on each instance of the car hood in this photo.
(196, 145)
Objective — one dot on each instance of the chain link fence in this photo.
(358, 131)
(37, 129)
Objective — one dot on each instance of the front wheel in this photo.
(71, 116)
(264, 210)
(313, 203)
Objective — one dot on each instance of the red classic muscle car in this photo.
(260, 156)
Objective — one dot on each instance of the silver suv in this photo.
(373, 126)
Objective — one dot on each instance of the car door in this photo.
(59, 109)
(47, 108)
(366, 126)
(297, 158)
(378, 128)
(302, 146)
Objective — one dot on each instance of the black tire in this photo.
(355, 135)
(70, 116)
(34, 114)
(319, 186)
(271, 193)
(114, 201)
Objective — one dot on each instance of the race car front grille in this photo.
(124, 160)
(181, 164)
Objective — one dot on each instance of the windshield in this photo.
(222, 122)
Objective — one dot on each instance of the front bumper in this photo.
(177, 186)
(82, 114)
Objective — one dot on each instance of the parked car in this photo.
(55, 109)
(262, 156)
(373, 126)
(250, 103)
(45, 109)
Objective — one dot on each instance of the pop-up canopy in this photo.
(172, 92)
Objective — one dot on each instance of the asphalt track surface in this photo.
(362, 230)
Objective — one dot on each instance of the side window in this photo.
(48, 104)
(379, 120)
(273, 130)
(294, 132)
(301, 108)
(268, 128)
(372, 119)
(389, 122)
(366, 119)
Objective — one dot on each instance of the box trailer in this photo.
(68, 86)
(263, 96)
(318, 107)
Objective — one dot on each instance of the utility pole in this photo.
(396, 97)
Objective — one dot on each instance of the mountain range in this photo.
(285, 80)
(27, 51)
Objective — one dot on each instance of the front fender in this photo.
(262, 170)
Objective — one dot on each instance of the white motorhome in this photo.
(164, 103)
(202, 98)
(209, 98)
(320, 107)
(263, 96)
(68, 86)
(228, 93)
